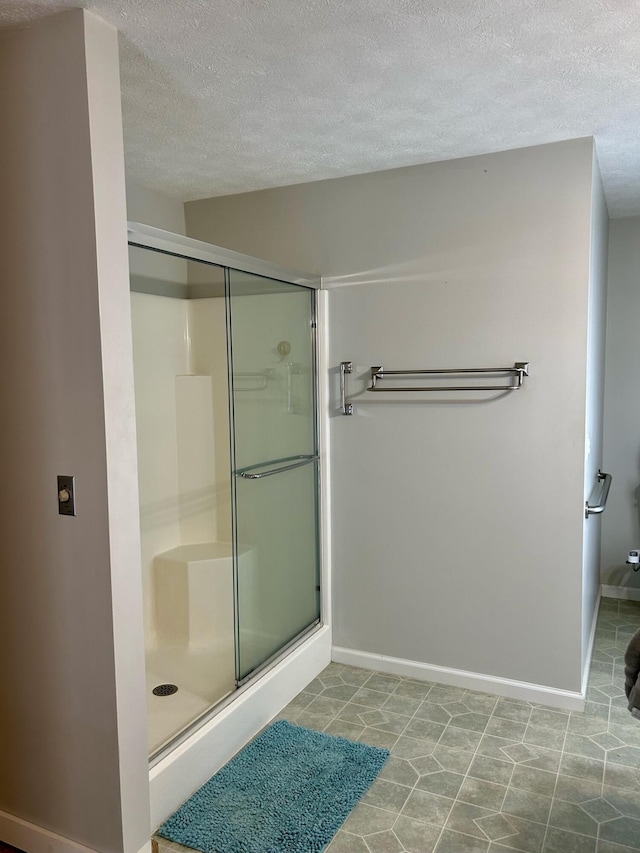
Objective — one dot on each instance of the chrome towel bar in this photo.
(518, 371)
(295, 462)
(601, 490)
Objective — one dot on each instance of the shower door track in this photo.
(147, 237)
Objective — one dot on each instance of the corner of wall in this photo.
(152, 208)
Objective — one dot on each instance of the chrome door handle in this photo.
(301, 459)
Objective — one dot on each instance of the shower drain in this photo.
(165, 690)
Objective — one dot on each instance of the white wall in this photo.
(620, 527)
(74, 744)
(594, 366)
(457, 529)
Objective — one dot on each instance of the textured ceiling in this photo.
(235, 95)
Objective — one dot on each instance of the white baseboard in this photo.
(627, 593)
(29, 836)
(174, 778)
(506, 687)
(592, 638)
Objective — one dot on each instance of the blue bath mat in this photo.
(288, 791)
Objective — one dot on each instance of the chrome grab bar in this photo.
(519, 370)
(603, 485)
(302, 459)
(345, 367)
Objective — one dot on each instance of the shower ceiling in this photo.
(236, 95)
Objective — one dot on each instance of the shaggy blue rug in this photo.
(288, 791)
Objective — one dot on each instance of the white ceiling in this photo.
(235, 95)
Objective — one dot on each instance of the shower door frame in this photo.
(187, 248)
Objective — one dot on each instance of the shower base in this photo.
(180, 771)
(203, 678)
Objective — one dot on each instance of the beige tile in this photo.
(574, 790)
(399, 770)
(410, 747)
(536, 781)
(456, 738)
(384, 683)
(384, 842)
(442, 782)
(368, 819)
(572, 818)
(387, 795)
(626, 802)
(560, 841)
(623, 830)
(584, 768)
(549, 719)
(455, 842)
(345, 842)
(377, 737)
(456, 760)
(491, 769)
(464, 816)
(619, 776)
(528, 806)
(416, 836)
(508, 729)
(429, 808)
(529, 839)
(478, 792)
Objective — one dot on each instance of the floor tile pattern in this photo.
(475, 773)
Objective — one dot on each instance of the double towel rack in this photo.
(517, 373)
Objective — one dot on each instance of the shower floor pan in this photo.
(202, 679)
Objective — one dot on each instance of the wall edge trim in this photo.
(509, 688)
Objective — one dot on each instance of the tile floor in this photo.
(474, 773)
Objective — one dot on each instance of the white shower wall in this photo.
(182, 427)
(159, 354)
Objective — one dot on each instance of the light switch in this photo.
(66, 495)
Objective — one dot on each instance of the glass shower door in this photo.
(275, 464)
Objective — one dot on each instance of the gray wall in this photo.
(73, 746)
(457, 528)
(620, 527)
(151, 208)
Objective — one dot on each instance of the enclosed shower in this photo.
(227, 431)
